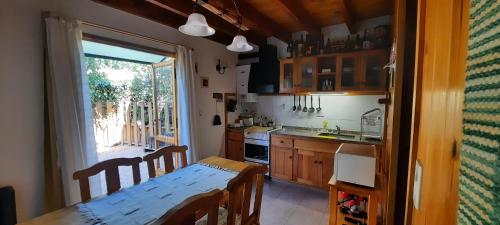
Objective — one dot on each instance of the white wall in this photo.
(21, 86)
(21, 103)
(344, 111)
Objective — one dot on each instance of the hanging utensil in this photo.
(299, 107)
(294, 107)
(311, 109)
(319, 104)
(305, 104)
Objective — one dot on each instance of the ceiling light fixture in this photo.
(239, 43)
(196, 25)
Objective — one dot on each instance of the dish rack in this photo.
(372, 124)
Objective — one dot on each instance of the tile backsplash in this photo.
(344, 111)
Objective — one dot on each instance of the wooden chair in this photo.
(185, 213)
(168, 155)
(112, 175)
(240, 193)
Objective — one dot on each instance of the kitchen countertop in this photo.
(314, 133)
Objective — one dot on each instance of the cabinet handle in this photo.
(320, 162)
(315, 161)
(282, 142)
(290, 157)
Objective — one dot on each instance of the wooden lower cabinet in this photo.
(235, 146)
(307, 167)
(303, 161)
(313, 168)
(326, 167)
(282, 162)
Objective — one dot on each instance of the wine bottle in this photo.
(300, 46)
(358, 43)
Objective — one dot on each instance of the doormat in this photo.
(479, 187)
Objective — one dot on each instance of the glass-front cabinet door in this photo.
(287, 73)
(349, 74)
(375, 74)
(306, 78)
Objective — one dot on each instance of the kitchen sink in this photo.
(332, 135)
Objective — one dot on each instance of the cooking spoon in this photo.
(299, 107)
(294, 107)
(305, 104)
(311, 109)
(319, 104)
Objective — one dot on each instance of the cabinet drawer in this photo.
(281, 141)
(235, 136)
(317, 146)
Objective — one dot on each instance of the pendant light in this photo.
(239, 43)
(196, 25)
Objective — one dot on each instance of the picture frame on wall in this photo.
(204, 82)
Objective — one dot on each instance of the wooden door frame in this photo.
(393, 113)
(155, 106)
(458, 54)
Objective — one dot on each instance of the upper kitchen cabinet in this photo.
(353, 72)
(298, 75)
(287, 71)
(305, 79)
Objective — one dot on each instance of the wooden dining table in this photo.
(71, 215)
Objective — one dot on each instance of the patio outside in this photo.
(121, 93)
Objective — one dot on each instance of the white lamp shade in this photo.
(239, 44)
(196, 25)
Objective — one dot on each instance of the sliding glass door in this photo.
(164, 101)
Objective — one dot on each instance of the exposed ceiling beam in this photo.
(175, 18)
(345, 13)
(254, 19)
(185, 7)
(302, 16)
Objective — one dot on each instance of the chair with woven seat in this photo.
(168, 159)
(112, 175)
(240, 193)
(185, 213)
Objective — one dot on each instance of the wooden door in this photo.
(282, 162)
(165, 103)
(306, 166)
(325, 171)
(436, 132)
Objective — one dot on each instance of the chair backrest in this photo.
(185, 213)
(240, 192)
(112, 175)
(7, 206)
(168, 158)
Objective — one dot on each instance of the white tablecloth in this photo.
(146, 202)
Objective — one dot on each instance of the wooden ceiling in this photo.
(263, 18)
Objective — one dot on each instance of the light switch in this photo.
(417, 185)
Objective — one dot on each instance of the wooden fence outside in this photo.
(129, 123)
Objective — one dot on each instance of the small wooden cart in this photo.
(372, 194)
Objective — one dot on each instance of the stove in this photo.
(257, 144)
(258, 133)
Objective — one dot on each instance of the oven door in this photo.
(257, 151)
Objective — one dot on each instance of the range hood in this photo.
(264, 75)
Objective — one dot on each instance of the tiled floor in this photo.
(285, 203)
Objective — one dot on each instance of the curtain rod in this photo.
(132, 34)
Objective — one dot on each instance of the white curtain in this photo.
(71, 104)
(186, 101)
